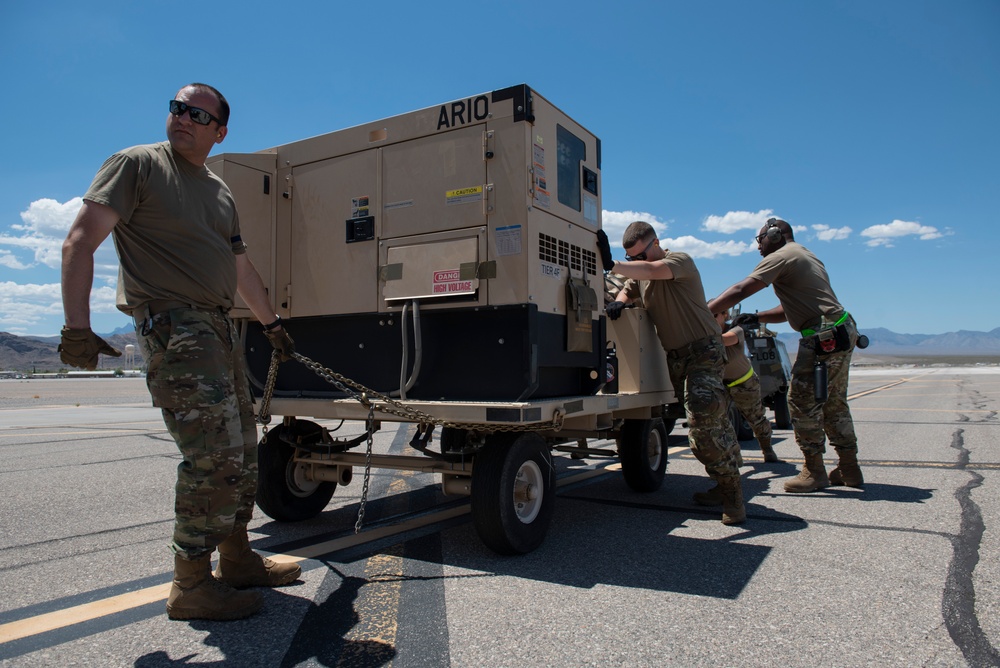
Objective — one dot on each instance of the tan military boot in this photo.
(770, 455)
(811, 478)
(847, 472)
(241, 567)
(731, 490)
(712, 497)
(195, 594)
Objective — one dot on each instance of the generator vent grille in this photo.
(566, 254)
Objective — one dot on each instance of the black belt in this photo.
(155, 309)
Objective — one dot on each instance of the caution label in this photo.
(464, 195)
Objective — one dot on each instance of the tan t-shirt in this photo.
(179, 233)
(737, 362)
(676, 306)
(802, 285)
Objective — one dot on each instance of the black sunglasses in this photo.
(640, 256)
(199, 116)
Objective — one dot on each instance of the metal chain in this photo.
(368, 471)
(365, 396)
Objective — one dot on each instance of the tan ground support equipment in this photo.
(446, 257)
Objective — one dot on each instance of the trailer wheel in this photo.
(782, 418)
(642, 448)
(513, 488)
(283, 492)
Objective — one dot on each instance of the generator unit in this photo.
(444, 254)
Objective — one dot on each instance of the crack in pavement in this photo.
(958, 604)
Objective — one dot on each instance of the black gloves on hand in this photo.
(282, 342)
(614, 309)
(81, 347)
(747, 321)
(604, 248)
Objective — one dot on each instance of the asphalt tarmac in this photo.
(904, 572)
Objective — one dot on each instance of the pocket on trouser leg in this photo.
(213, 467)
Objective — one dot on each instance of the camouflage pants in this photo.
(197, 377)
(814, 421)
(696, 374)
(746, 396)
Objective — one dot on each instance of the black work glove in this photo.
(604, 248)
(80, 348)
(614, 309)
(747, 321)
(282, 342)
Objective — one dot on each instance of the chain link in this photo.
(366, 396)
(368, 471)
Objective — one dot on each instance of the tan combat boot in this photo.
(241, 567)
(811, 478)
(195, 594)
(731, 490)
(765, 447)
(847, 472)
(712, 497)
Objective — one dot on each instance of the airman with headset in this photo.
(829, 336)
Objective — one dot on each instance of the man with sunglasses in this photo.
(669, 284)
(807, 302)
(182, 261)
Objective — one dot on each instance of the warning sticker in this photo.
(542, 197)
(508, 240)
(464, 195)
(449, 281)
(359, 207)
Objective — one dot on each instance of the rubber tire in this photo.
(782, 417)
(277, 496)
(494, 475)
(643, 470)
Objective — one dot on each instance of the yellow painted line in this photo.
(922, 410)
(82, 613)
(88, 611)
(23, 431)
(877, 389)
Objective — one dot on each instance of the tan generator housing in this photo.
(443, 254)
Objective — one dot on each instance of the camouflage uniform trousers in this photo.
(696, 374)
(814, 421)
(746, 396)
(197, 377)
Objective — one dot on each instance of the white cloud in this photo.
(697, 248)
(883, 235)
(48, 218)
(9, 260)
(827, 233)
(23, 306)
(615, 222)
(46, 223)
(734, 221)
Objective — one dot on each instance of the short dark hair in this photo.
(638, 231)
(223, 103)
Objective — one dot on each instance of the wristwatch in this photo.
(273, 325)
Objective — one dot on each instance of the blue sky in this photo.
(870, 126)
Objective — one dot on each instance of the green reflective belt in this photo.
(744, 379)
(810, 332)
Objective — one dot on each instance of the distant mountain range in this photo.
(38, 353)
(889, 343)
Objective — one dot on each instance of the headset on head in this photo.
(773, 232)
